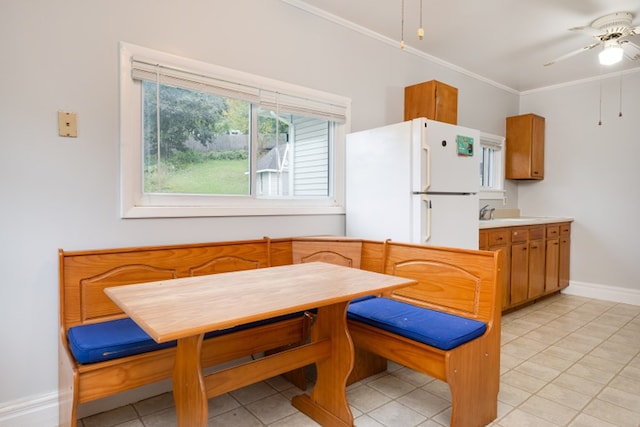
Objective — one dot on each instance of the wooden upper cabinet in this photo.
(433, 99)
(525, 147)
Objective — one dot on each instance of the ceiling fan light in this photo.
(610, 55)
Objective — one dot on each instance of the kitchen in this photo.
(63, 192)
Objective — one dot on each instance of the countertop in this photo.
(523, 220)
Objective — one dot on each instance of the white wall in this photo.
(592, 174)
(63, 192)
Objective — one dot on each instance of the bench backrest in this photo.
(455, 281)
(444, 285)
(85, 274)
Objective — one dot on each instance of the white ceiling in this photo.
(504, 41)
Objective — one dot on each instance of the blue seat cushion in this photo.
(113, 339)
(437, 329)
(108, 340)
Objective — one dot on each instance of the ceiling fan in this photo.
(610, 31)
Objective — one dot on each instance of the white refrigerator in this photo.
(415, 182)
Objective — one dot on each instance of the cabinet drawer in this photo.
(498, 237)
(553, 231)
(536, 233)
(519, 234)
(565, 229)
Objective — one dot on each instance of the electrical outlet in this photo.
(67, 124)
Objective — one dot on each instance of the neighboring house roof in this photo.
(274, 161)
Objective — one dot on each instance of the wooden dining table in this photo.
(185, 309)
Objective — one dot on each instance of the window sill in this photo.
(492, 194)
(210, 211)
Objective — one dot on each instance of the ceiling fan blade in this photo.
(631, 50)
(573, 53)
(587, 29)
(632, 31)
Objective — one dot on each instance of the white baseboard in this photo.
(603, 292)
(40, 410)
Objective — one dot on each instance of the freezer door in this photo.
(453, 161)
(378, 183)
(450, 221)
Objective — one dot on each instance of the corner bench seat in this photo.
(447, 325)
(435, 328)
(113, 339)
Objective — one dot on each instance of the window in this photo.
(202, 140)
(491, 166)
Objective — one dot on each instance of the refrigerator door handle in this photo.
(426, 219)
(426, 168)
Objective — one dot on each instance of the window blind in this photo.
(268, 96)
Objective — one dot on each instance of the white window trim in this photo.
(497, 141)
(135, 204)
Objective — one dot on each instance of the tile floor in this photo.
(566, 361)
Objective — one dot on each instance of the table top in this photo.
(179, 308)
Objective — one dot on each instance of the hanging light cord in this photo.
(402, 28)
(421, 29)
(620, 109)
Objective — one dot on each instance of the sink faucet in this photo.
(483, 211)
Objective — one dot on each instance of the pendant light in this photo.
(420, 31)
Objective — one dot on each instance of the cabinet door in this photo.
(551, 282)
(525, 147)
(536, 268)
(506, 273)
(519, 272)
(563, 265)
(433, 100)
(494, 240)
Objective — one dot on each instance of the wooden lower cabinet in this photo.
(536, 262)
(552, 259)
(500, 239)
(536, 259)
(564, 255)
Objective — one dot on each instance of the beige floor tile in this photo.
(523, 381)
(440, 389)
(424, 402)
(391, 386)
(164, 418)
(237, 417)
(520, 418)
(415, 378)
(621, 398)
(551, 361)
(537, 370)
(511, 395)
(549, 410)
(523, 348)
(583, 420)
(579, 384)
(396, 414)
(626, 384)
(589, 372)
(564, 396)
(546, 334)
(612, 413)
(366, 398)
(296, 420)
(112, 418)
(271, 408)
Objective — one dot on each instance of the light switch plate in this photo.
(67, 124)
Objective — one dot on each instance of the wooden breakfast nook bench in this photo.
(103, 351)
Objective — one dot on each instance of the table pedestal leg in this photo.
(189, 393)
(328, 401)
